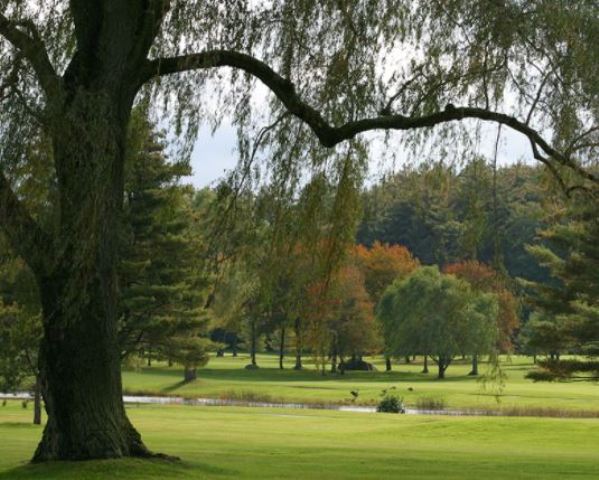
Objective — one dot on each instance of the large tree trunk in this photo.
(388, 367)
(80, 363)
(80, 355)
(425, 366)
(37, 401)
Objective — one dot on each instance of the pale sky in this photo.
(215, 154)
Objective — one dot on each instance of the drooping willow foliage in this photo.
(533, 60)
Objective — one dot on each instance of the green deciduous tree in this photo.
(20, 328)
(438, 315)
(482, 278)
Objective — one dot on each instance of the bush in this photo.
(391, 403)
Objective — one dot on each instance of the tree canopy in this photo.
(429, 313)
(567, 309)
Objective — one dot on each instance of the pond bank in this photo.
(218, 402)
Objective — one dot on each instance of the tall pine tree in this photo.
(160, 275)
(571, 303)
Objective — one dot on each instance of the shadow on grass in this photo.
(122, 469)
(290, 376)
(175, 386)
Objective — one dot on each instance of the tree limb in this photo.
(33, 49)
(23, 232)
(329, 135)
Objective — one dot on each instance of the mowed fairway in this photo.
(227, 443)
(226, 378)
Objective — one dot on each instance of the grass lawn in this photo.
(226, 377)
(232, 443)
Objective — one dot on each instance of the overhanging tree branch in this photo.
(23, 232)
(32, 47)
(330, 135)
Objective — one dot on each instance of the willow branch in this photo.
(329, 135)
(23, 232)
(32, 47)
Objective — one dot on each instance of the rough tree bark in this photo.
(37, 401)
(79, 357)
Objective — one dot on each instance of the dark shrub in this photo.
(391, 403)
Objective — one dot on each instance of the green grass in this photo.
(232, 443)
(226, 377)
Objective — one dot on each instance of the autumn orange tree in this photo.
(381, 264)
(483, 278)
(341, 319)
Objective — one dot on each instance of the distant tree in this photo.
(341, 319)
(438, 315)
(381, 264)
(473, 200)
(190, 351)
(567, 309)
(544, 335)
(160, 276)
(483, 278)
(20, 328)
(442, 215)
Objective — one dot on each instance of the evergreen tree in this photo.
(160, 274)
(569, 306)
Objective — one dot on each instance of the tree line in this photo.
(196, 279)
